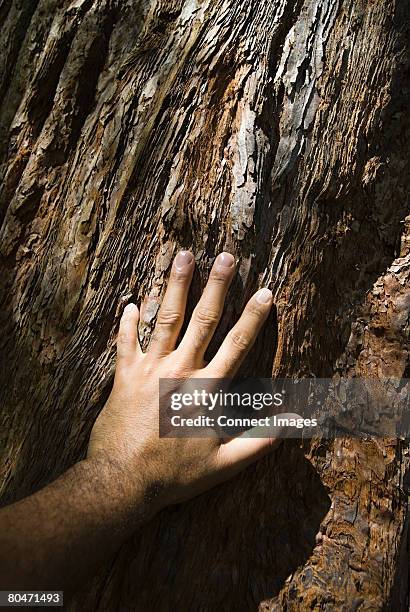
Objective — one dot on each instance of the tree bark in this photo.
(277, 130)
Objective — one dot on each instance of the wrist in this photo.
(126, 492)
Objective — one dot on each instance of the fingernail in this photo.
(226, 260)
(130, 307)
(264, 296)
(183, 259)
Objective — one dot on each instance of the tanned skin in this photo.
(59, 536)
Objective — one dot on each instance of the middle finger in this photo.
(208, 311)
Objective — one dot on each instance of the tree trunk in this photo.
(277, 130)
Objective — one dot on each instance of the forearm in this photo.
(59, 536)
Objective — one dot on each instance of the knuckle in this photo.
(175, 367)
(122, 337)
(179, 276)
(216, 371)
(176, 372)
(240, 340)
(168, 318)
(147, 369)
(254, 310)
(218, 278)
(206, 316)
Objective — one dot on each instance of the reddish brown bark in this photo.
(279, 131)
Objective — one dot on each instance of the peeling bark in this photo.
(278, 130)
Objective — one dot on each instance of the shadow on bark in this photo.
(203, 550)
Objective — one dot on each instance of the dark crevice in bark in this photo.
(88, 80)
(28, 8)
(5, 6)
(45, 85)
(269, 203)
(80, 106)
(25, 214)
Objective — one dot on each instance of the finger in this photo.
(240, 339)
(208, 311)
(240, 452)
(127, 340)
(257, 442)
(172, 311)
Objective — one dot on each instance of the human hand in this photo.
(126, 431)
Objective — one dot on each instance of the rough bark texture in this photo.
(276, 129)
